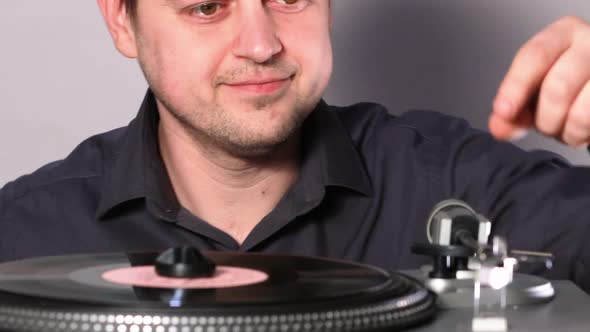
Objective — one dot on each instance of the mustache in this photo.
(276, 69)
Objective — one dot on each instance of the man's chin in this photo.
(261, 103)
(254, 149)
(259, 141)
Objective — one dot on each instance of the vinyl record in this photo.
(247, 292)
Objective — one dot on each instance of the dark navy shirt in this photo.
(367, 184)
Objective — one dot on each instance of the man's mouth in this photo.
(267, 85)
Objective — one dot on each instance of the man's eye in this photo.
(208, 8)
(290, 6)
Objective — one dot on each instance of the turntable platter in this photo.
(248, 292)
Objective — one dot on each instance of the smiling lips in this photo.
(260, 86)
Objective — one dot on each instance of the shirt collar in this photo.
(139, 171)
(329, 159)
(329, 152)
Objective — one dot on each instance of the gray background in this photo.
(62, 81)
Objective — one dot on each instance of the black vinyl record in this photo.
(288, 293)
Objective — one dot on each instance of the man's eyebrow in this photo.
(173, 3)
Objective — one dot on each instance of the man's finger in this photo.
(531, 64)
(503, 129)
(560, 88)
(577, 128)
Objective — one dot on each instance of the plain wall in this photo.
(62, 81)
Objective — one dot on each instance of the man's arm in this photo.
(537, 200)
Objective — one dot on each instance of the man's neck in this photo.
(229, 192)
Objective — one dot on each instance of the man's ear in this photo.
(120, 26)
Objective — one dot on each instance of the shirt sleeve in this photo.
(537, 200)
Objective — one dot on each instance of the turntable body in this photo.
(569, 311)
(68, 294)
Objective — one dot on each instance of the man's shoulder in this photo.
(89, 160)
(372, 120)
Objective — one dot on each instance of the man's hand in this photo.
(548, 86)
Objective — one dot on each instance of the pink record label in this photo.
(146, 276)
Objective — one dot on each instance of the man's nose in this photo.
(256, 38)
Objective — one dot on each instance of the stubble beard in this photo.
(213, 127)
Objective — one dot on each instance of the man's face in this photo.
(242, 74)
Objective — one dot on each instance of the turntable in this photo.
(217, 291)
(471, 286)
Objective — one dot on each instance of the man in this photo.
(233, 149)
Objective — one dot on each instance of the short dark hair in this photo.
(131, 7)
